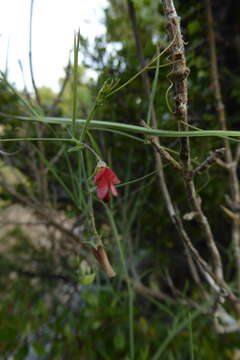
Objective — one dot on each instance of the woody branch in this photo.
(178, 77)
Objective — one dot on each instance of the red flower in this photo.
(105, 179)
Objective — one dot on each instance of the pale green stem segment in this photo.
(153, 91)
(37, 139)
(107, 125)
(175, 331)
(75, 80)
(141, 71)
(127, 278)
(86, 125)
(101, 96)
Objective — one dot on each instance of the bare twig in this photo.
(231, 165)
(235, 216)
(202, 220)
(223, 322)
(178, 77)
(146, 291)
(209, 161)
(194, 271)
(217, 284)
(159, 152)
(101, 256)
(164, 153)
(237, 155)
(224, 164)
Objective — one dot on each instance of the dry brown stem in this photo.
(231, 163)
(101, 256)
(213, 157)
(163, 152)
(178, 77)
(159, 152)
(179, 73)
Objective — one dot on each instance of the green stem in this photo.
(191, 336)
(142, 70)
(174, 332)
(127, 278)
(153, 92)
(106, 125)
(37, 139)
(137, 179)
(87, 122)
(75, 79)
(122, 133)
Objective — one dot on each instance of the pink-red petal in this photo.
(102, 188)
(111, 176)
(105, 179)
(100, 173)
(113, 189)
